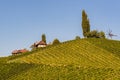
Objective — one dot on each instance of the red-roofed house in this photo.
(40, 44)
(19, 51)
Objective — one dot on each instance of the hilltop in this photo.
(85, 59)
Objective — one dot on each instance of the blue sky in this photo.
(22, 22)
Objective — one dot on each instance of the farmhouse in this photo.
(40, 44)
(19, 51)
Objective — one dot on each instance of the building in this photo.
(40, 44)
(15, 52)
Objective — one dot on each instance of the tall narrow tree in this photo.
(44, 38)
(85, 24)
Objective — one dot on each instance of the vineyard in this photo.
(84, 59)
(109, 45)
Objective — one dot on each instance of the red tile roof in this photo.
(39, 43)
(19, 51)
(15, 51)
(42, 43)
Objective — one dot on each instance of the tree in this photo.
(96, 34)
(77, 37)
(101, 34)
(33, 47)
(85, 24)
(44, 38)
(56, 41)
(93, 34)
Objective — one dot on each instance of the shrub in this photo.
(101, 34)
(77, 37)
(56, 41)
(95, 34)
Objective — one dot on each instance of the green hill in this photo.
(84, 59)
(112, 46)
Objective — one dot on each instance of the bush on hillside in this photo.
(101, 34)
(56, 41)
(77, 37)
(95, 34)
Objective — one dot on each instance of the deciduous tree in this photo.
(56, 41)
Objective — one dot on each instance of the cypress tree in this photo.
(85, 24)
(44, 38)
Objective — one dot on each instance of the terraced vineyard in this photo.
(112, 46)
(17, 71)
(84, 59)
(78, 52)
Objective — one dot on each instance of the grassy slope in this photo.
(73, 60)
